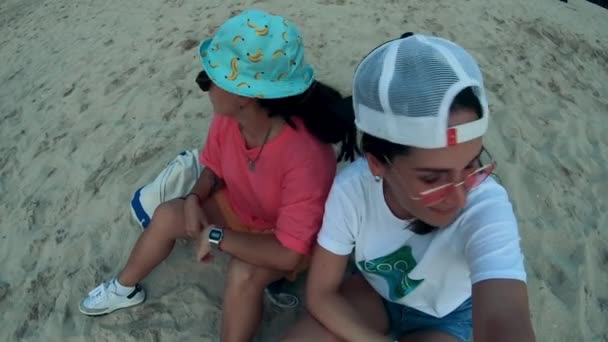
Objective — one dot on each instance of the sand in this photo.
(96, 96)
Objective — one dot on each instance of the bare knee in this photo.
(244, 277)
(168, 219)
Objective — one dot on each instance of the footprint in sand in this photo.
(6, 155)
(14, 117)
(188, 44)
(119, 81)
(29, 264)
(4, 287)
(69, 91)
(113, 159)
(60, 235)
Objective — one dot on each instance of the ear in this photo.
(377, 168)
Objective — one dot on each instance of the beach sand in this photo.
(97, 96)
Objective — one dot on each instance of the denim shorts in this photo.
(405, 320)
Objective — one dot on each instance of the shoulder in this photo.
(489, 189)
(354, 176)
(300, 148)
(344, 207)
(351, 187)
(490, 235)
(300, 137)
(488, 216)
(488, 202)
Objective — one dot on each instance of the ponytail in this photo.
(325, 113)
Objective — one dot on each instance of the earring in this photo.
(377, 178)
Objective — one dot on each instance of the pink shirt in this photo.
(287, 190)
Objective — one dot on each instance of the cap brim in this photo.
(202, 51)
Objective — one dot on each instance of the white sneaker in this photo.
(282, 299)
(103, 299)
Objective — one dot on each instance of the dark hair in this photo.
(325, 113)
(385, 151)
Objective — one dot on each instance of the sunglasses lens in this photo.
(435, 196)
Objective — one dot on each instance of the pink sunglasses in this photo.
(438, 194)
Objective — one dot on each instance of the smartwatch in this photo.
(216, 234)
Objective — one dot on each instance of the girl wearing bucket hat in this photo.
(269, 165)
(433, 236)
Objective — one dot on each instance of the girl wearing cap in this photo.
(433, 237)
(269, 166)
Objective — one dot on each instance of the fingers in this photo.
(204, 255)
(203, 252)
(206, 259)
(200, 254)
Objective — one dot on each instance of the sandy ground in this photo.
(96, 96)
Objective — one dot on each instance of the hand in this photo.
(194, 216)
(203, 253)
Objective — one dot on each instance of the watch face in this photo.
(215, 234)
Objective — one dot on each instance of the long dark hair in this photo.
(325, 113)
(385, 151)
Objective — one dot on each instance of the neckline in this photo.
(280, 136)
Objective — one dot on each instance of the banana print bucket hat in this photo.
(257, 54)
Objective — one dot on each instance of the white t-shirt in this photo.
(432, 273)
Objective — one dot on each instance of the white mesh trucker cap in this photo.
(403, 91)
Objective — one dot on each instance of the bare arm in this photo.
(260, 249)
(207, 184)
(328, 306)
(299, 217)
(500, 311)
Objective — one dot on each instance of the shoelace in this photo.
(99, 293)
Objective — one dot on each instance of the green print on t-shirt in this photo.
(394, 268)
